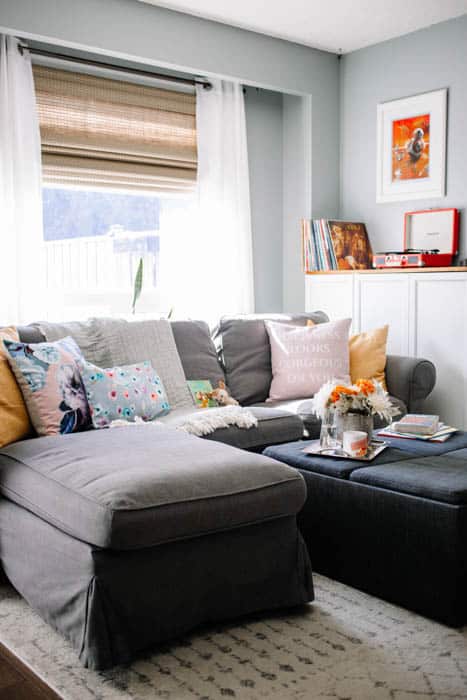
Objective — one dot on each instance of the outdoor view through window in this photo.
(93, 242)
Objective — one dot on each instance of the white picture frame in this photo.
(409, 165)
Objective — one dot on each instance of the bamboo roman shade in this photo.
(110, 133)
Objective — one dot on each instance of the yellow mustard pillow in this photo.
(368, 355)
(14, 419)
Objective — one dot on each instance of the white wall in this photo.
(425, 60)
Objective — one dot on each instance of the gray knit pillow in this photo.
(108, 342)
(130, 342)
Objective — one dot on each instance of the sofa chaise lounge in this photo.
(124, 538)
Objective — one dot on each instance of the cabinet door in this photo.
(332, 294)
(440, 335)
(384, 299)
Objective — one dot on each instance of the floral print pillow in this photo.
(123, 393)
(50, 381)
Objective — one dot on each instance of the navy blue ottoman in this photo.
(395, 527)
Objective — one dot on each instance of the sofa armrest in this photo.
(410, 379)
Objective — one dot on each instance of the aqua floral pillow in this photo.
(123, 393)
(49, 379)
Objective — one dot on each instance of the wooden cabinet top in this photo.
(387, 270)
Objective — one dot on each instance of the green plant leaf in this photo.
(138, 285)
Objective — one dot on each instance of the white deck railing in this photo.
(92, 264)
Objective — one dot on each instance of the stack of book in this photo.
(335, 245)
(415, 426)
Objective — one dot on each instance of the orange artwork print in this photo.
(411, 148)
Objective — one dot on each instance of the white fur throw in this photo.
(203, 421)
(206, 422)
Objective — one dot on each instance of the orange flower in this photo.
(339, 390)
(366, 386)
(345, 390)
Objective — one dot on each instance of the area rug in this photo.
(347, 645)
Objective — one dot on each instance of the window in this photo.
(119, 172)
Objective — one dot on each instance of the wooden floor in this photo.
(18, 682)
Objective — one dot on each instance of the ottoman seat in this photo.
(292, 454)
(395, 527)
(136, 487)
(441, 478)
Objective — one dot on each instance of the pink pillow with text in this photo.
(303, 358)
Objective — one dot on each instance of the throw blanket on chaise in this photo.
(202, 421)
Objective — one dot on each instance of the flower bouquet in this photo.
(351, 407)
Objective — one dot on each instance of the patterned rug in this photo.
(347, 645)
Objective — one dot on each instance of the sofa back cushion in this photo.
(31, 334)
(245, 352)
(197, 351)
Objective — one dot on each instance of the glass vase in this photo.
(353, 421)
(327, 437)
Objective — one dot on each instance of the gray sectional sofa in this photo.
(124, 538)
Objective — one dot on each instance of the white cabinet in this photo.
(381, 299)
(333, 295)
(426, 313)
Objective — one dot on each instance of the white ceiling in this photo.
(333, 25)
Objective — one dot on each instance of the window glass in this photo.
(93, 242)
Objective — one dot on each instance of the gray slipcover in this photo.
(111, 605)
(244, 348)
(134, 487)
(275, 425)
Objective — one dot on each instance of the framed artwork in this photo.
(411, 147)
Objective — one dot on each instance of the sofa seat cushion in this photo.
(274, 426)
(439, 478)
(304, 409)
(293, 455)
(139, 486)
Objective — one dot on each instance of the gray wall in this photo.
(425, 60)
(135, 31)
(298, 178)
(264, 133)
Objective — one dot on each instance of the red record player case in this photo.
(424, 231)
(445, 257)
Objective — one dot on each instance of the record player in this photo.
(431, 239)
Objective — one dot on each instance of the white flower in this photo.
(380, 403)
(320, 401)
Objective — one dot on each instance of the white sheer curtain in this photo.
(214, 268)
(224, 197)
(22, 272)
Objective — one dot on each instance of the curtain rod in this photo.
(101, 64)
